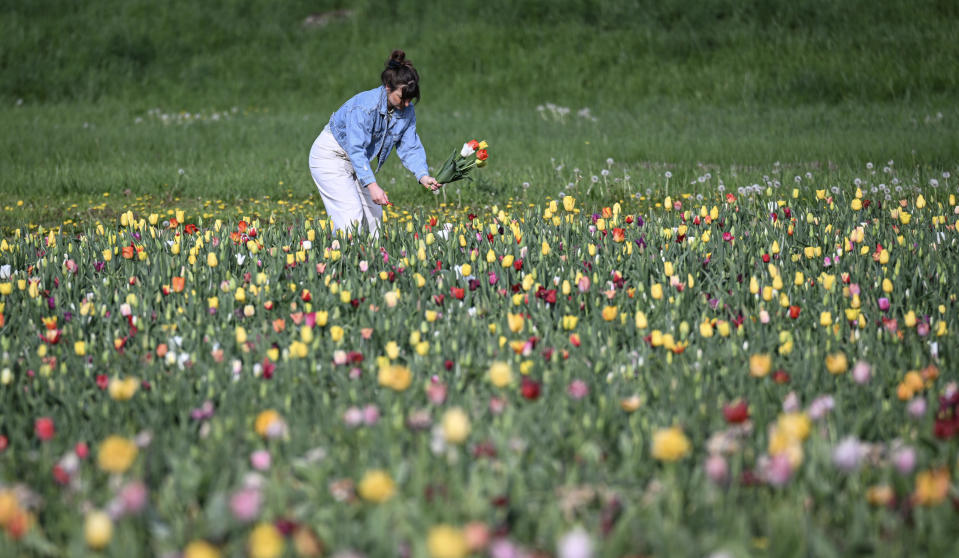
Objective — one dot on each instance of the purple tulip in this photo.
(904, 459)
(821, 406)
(916, 407)
(848, 454)
(884, 304)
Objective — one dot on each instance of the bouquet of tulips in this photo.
(461, 164)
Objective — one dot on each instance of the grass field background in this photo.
(246, 86)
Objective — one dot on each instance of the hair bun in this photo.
(398, 56)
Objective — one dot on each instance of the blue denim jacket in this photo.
(362, 129)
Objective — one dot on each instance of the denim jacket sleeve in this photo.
(359, 121)
(411, 152)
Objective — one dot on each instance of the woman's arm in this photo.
(359, 126)
(411, 152)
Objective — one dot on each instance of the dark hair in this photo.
(400, 72)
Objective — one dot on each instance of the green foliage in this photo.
(583, 51)
(539, 467)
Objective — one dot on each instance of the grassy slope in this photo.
(720, 82)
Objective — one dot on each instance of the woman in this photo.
(368, 126)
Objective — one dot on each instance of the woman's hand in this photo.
(377, 194)
(430, 183)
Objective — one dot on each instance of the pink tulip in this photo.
(245, 504)
(371, 414)
(260, 460)
(436, 391)
(353, 417)
(778, 470)
(497, 405)
(577, 389)
(583, 284)
(716, 469)
(861, 372)
(904, 459)
(133, 497)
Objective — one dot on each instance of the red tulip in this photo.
(59, 475)
(43, 428)
(482, 155)
(529, 389)
(737, 412)
(794, 312)
(781, 377)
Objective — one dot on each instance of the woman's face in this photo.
(395, 98)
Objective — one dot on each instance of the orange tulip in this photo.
(178, 284)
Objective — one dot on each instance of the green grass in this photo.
(828, 85)
(67, 155)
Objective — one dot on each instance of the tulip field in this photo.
(761, 371)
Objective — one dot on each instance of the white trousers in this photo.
(347, 202)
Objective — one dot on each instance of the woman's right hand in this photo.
(377, 194)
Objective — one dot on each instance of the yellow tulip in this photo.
(98, 530)
(456, 425)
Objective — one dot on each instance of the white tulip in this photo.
(467, 150)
